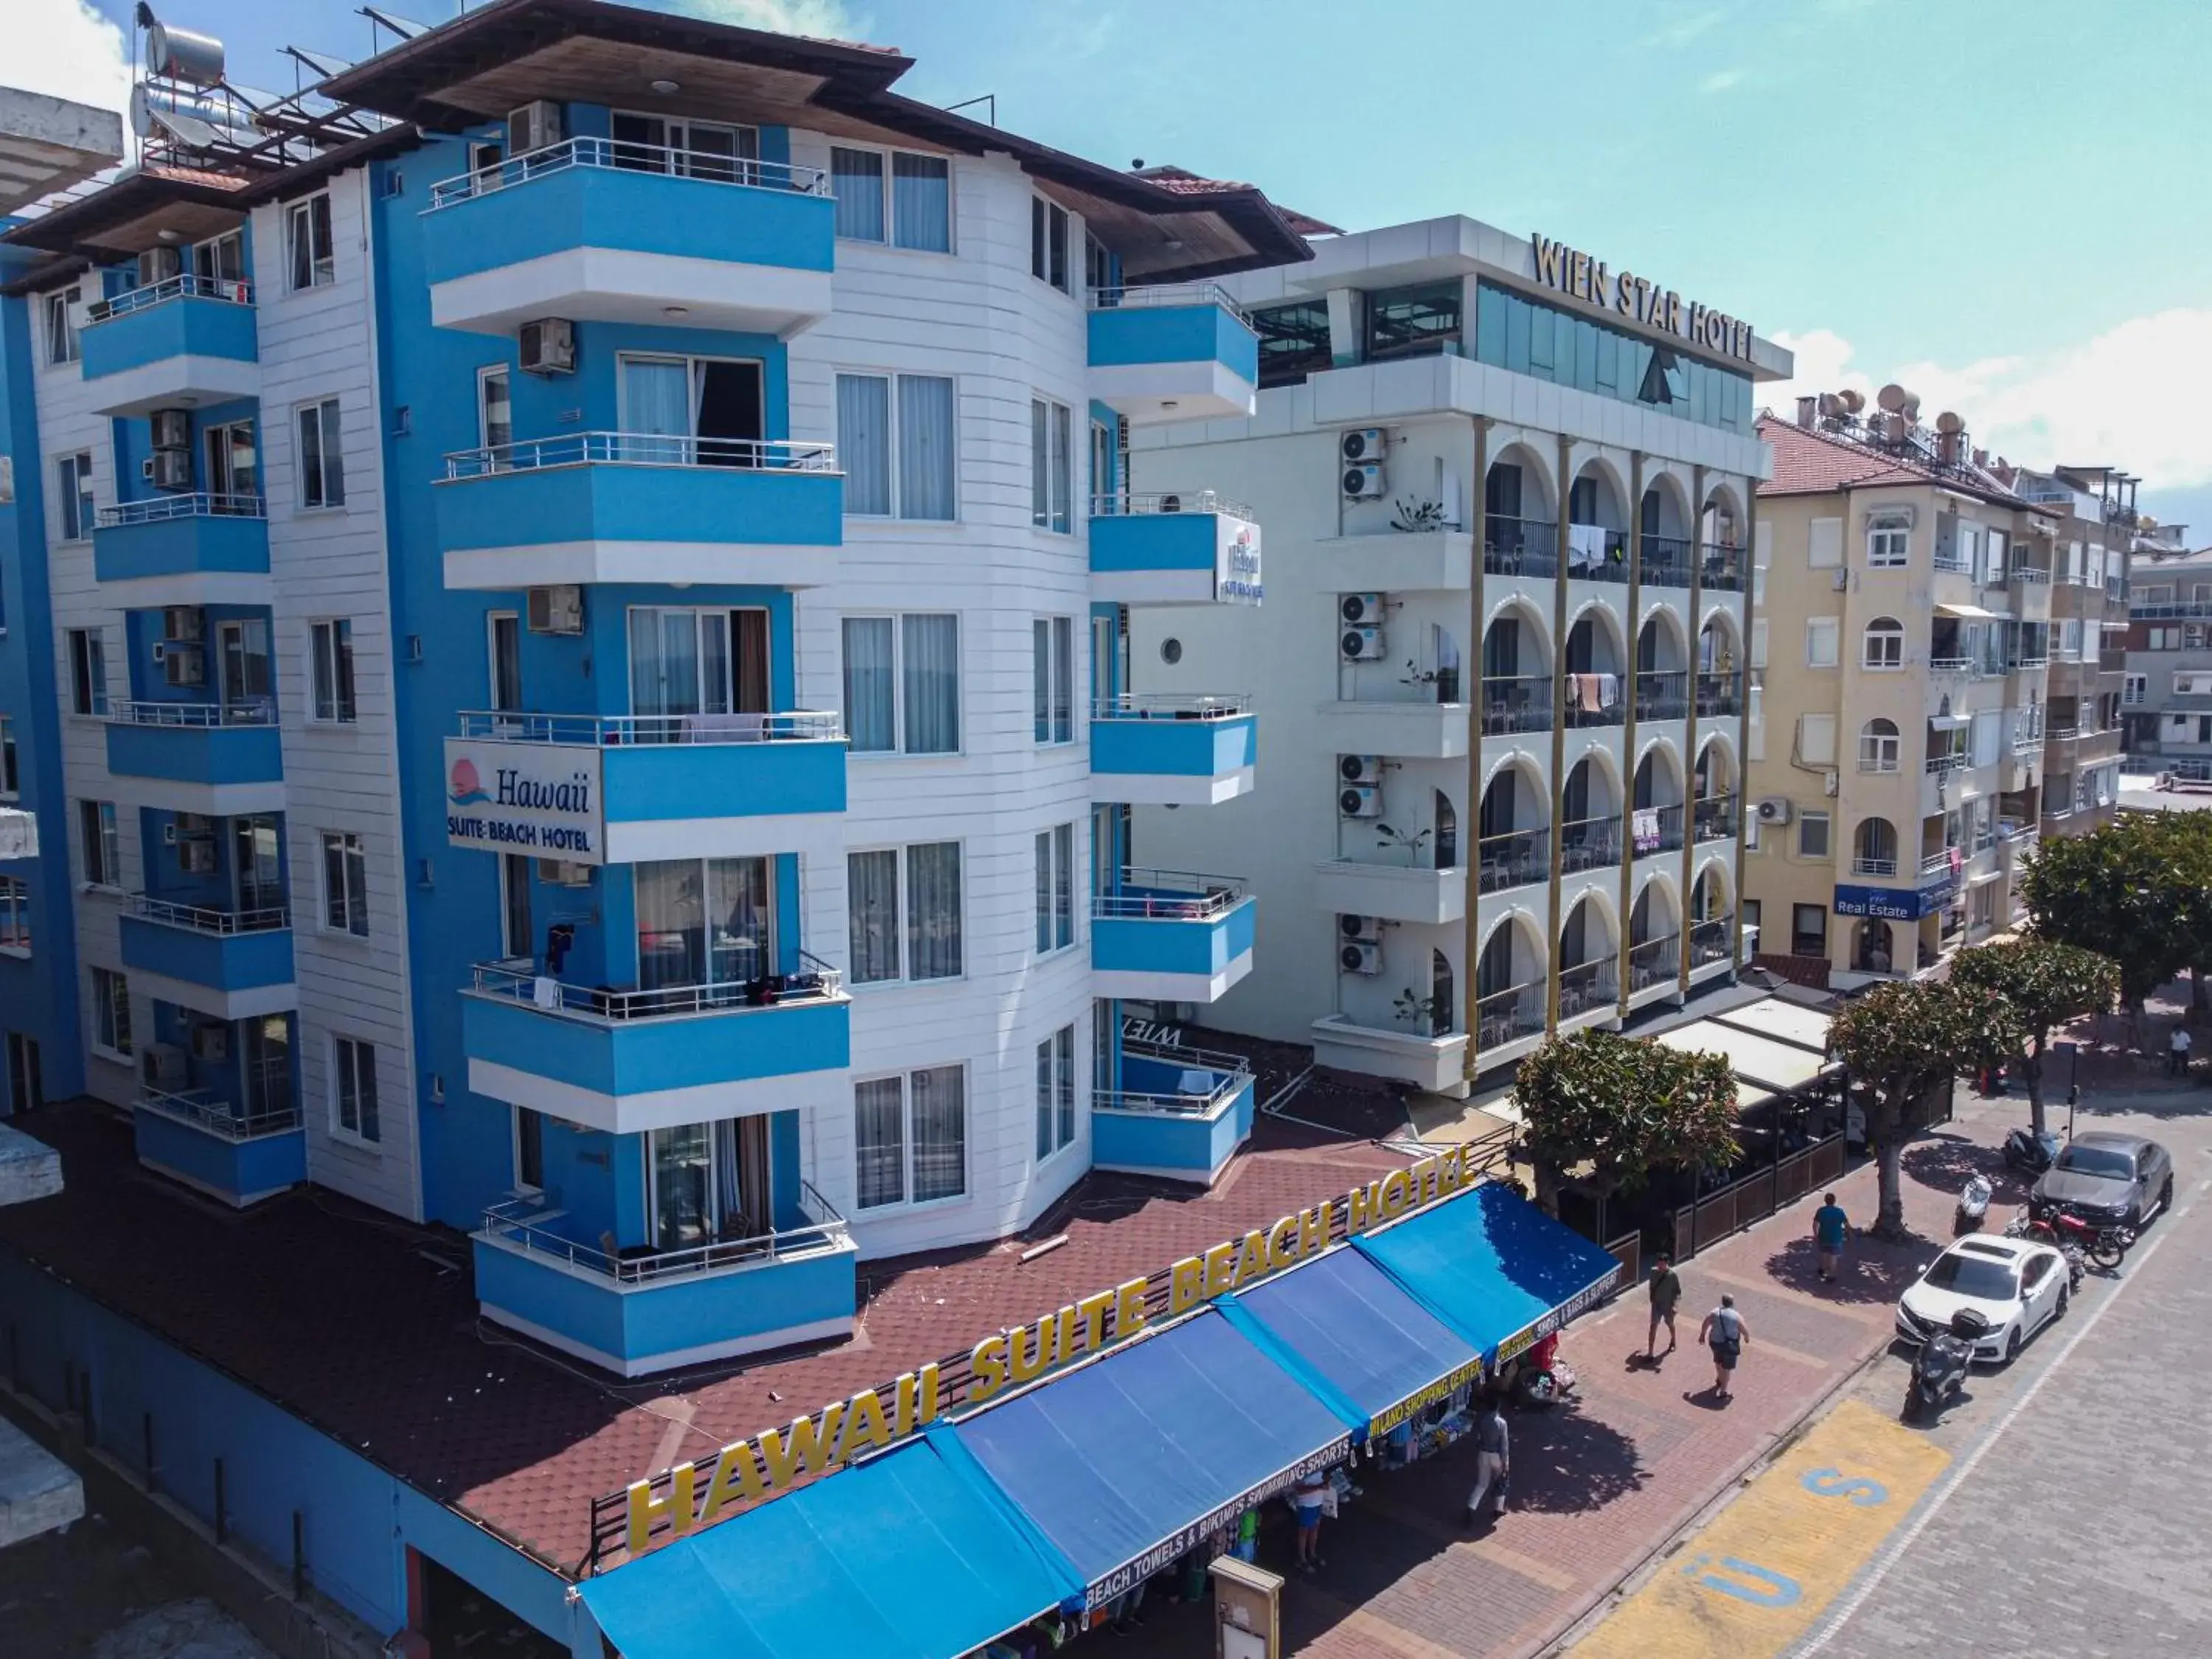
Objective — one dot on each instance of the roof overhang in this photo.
(50, 143)
(133, 214)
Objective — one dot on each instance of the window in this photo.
(1809, 931)
(920, 212)
(111, 1014)
(321, 464)
(1053, 668)
(903, 683)
(1824, 544)
(353, 1088)
(1889, 544)
(2000, 546)
(920, 940)
(1823, 641)
(704, 921)
(308, 244)
(690, 149)
(73, 489)
(1885, 644)
(234, 466)
(495, 407)
(1421, 321)
(103, 847)
(1816, 740)
(529, 1150)
(1055, 889)
(346, 885)
(1052, 466)
(1294, 342)
(61, 325)
(330, 651)
(87, 671)
(1049, 242)
(910, 1137)
(898, 452)
(857, 177)
(1573, 348)
(1055, 1092)
(1878, 746)
(1813, 836)
(1985, 738)
(2134, 689)
(11, 780)
(16, 915)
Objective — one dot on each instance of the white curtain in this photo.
(671, 923)
(869, 653)
(930, 647)
(741, 920)
(879, 1146)
(941, 1133)
(921, 202)
(926, 469)
(857, 177)
(656, 401)
(872, 916)
(933, 933)
(863, 442)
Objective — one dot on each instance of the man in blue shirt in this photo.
(1830, 1225)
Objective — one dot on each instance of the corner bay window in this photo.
(918, 214)
(353, 1088)
(111, 1014)
(1053, 668)
(910, 1137)
(1055, 889)
(1052, 466)
(897, 452)
(917, 939)
(903, 683)
(1055, 1092)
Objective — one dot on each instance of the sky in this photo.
(1999, 203)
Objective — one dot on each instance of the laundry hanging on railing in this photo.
(1646, 828)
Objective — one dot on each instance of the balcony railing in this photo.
(627, 731)
(1863, 866)
(1168, 501)
(1723, 567)
(512, 1224)
(206, 919)
(2171, 611)
(1169, 294)
(2065, 732)
(1951, 665)
(1517, 703)
(1720, 693)
(1664, 561)
(1587, 986)
(2019, 659)
(629, 157)
(1663, 694)
(1654, 961)
(1655, 829)
(820, 982)
(1596, 553)
(2031, 573)
(1595, 699)
(1717, 817)
(1938, 765)
(1506, 1016)
(193, 716)
(2027, 743)
(1590, 843)
(1520, 547)
(232, 290)
(1169, 896)
(1713, 940)
(219, 1117)
(1514, 859)
(1939, 863)
(1172, 706)
(161, 509)
(643, 449)
(1949, 559)
(1222, 1076)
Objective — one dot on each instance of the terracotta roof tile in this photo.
(1810, 462)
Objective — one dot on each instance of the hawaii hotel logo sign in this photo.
(539, 801)
(1578, 276)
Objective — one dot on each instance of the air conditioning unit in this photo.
(1364, 483)
(1829, 782)
(1359, 930)
(1363, 447)
(159, 264)
(184, 665)
(172, 468)
(1365, 958)
(1359, 769)
(1360, 608)
(549, 346)
(1360, 801)
(196, 857)
(1841, 581)
(1774, 809)
(161, 1066)
(190, 825)
(533, 127)
(557, 610)
(210, 1040)
(560, 872)
(1362, 644)
(173, 428)
(183, 622)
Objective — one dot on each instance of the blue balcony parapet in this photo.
(197, 535)
(190, 339)
(219, 950)
(635, 1314)
(202, 743)
(1173, 547)
(629, 506)
(1178, 351)
(217, 1149)
(1172, 749)
(1181, 1113)
(1171, 936)
(606, 230)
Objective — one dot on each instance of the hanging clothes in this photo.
(1645, 828)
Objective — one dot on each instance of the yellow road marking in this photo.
(1754, 1580)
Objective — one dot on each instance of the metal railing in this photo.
(1596, 553)
(218, 1117)
(2019, 659)
(1142, 502)
(208, 919)
(1716, 818)
(231, 290)
(642, 449)
(1167, 895)
(1586, 987)
(1723, 567)
(1949, 559)
(626, 155)
(1951, 665)
(1172, 706)
(508, 1224)
(1940, 764)
(1937, 864)
(2027, 743)
(2170, 610)
(1720, 693)
(1515, 857)
(1668, 828)
(1590, 843)
(1506, 1016)
(1520, 547)
(2031, 573)
(1584, 698)
(1654, 961)
(1664, 561)
(262, 711)
(629, 731)
(199, 505)
(1712, 940)
(1230, 1074)
(1169, 294)
(1517, 703)
(819, 983)
(2065, 732)
(1862, 866)
(1662, 694)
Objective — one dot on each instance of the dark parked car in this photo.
(2110, 1180)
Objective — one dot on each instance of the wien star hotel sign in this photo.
(1581, 277)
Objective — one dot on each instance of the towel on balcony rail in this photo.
(1646, 827)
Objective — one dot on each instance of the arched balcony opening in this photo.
(1588, 953)
(1597, 526)
(1520, 519)
(1712, 916)
(1717, 794)
(1873, 849)
(1514, 829)
(1720, 542)
(1509, 984)
(1655, 938)
(1655, 822)
(1663, 551)
(1589, 817)
(1516, 673)
(1596, 661)
(1663, 668)
(1720, 667)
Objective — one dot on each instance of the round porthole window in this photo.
(1171, 650)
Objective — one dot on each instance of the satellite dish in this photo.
(1912, 410)
(1948, 422)
(1853, 401)
(1892, 398)
(1831, 406)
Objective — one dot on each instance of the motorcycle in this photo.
(2105, 1246)
(1939, 1368)
(2029, 1152)
(1973, 1204)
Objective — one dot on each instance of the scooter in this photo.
(1973, 1204)
(2105, 1246)
(2029, 1152)
(1939, 1368)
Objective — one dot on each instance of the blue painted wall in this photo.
(173, 328)
(1173, 334)
(1168, 747)
(1155, 541)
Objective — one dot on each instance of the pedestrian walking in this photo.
(1725, 1332)
(1830, 1226)
(2176, 1051)
(1665, 1295)
(1306, 1500)
(1493, 1462)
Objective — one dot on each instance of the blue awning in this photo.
(911, 1555)
(1493, 1266)
(1370, 1340)
(1124, 1463)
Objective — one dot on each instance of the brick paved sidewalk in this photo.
(1599, 1485)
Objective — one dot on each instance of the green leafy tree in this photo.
(1624, 1106)
(2047, 985)
(1898, 1042)
(2137, 890)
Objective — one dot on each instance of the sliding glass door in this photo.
(704, 922)
(709, 1184)
(686, 664)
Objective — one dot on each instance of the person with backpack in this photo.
(1666, 1294)
(1725, 1332)
(1493, 1461)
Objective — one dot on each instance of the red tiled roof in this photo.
(1810, 462)
(1181, 181)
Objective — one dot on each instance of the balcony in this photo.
(1942, 765)
(1664, 561)
(606, 232)
(1513, 704)
(1596, 553)
(1513, 1014)
(228, 964)
(2029, 576)
(1655, 831)
(1713, 945)
(1595, 843)
(1414, 728)
(1588, 990)
(624, 1059)
(1170, 936)
(187, 341)
(637, 1312)
(1172, 750)
(1720, 695)
(198, 549)
(1724, 571)
(1181, 351)
(1594, 699)
(622, 506)
(1662, 695)
(1866, 866)
(1959, 668)
(1439, 560)
(1654, 962)
(663, 786)
(1527, 548)
(217, 1149)
(1436, 1062)
(1718, 818)
(1191, 547)
(1179, 1113)
(1518, 858)
(230, 747)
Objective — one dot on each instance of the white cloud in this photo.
(825, 19)
(1721, 81)
(2126, 397)
(1683, 29)
(67, 50)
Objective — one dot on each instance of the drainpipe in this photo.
(1559, 731)
(1471, 995)
(1625, 965)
